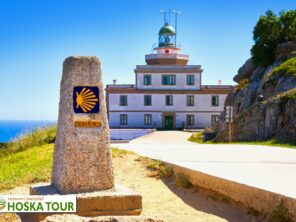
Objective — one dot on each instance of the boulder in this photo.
(245, 71)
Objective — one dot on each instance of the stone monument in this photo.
(82, 159)
(82, 162)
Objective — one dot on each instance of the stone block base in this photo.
(117, 201)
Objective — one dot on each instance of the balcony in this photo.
(166, 59)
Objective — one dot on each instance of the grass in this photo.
(287, 68)
(156, 168)
(197, 138)
(290, 94)
(32, 165)
(27, 166)
(119, 153)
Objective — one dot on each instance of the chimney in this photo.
(114, 81)
(219, 82)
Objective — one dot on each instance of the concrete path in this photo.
(269, 168)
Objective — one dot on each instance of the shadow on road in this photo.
(209, 203)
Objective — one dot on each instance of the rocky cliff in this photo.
(264, 101)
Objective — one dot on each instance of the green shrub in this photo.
(270, 31)
(38, 137)
(196, 137)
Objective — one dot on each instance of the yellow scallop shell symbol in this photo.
(86, 99)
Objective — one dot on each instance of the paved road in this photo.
(265, 167)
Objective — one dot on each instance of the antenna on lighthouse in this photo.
(164, 15)
(176, 13)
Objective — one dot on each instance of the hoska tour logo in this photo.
(86, 99)
(37, 203)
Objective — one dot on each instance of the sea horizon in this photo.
(11, 129)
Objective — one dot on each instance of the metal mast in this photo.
(176, 21)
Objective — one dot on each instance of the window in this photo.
(215, 100)
(214, 119)
(190, 80)
(147, 100)
(190, 100)
(190, 120)
(123, 100)
(169, 100)
(148, 119)
(168, 80)
(147, 80)
(123, 119)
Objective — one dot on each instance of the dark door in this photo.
(168, 123)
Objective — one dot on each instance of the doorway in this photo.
(168, 123)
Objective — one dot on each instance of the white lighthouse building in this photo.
(167, 94)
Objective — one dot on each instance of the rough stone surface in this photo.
(245, 71)
(74, 218)
(274, 117)
(284, 50)
(82, 159)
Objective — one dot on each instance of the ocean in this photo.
(10, 129)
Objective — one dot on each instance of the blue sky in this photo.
(36, 36)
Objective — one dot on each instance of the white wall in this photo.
(202, 102)
(156, 81)
(136, 119)
(202, 110)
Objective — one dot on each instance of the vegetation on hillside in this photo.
(242, 84)
(28, 166)
(270, 31)
(38, 137)
(287, 68)
(198, 138)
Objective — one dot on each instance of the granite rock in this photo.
(245, 71)
(82, 159)
(264, 109)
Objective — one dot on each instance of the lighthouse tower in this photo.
(167, 93)
(167, 53)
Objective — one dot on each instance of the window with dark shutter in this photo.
(147, 100)
(123, 100)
